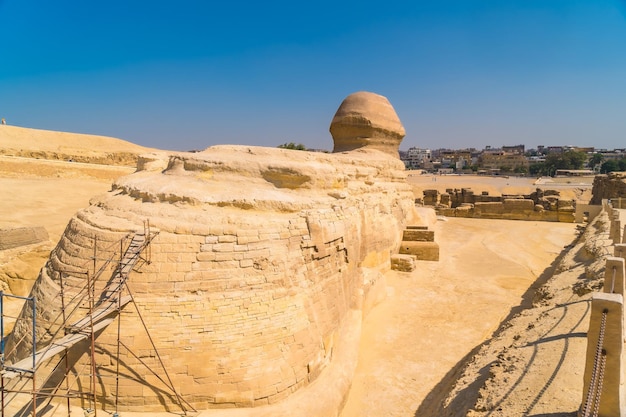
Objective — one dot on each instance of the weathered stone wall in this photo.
(260, 257)
(539, 205)
(612, 185)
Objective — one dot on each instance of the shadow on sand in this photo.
(433, 405)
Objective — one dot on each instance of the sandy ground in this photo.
(434, 316)
(431, 319)
(37, 192)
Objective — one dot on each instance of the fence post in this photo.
(620, 250)
(615, 230)
(603, 387)
(614, 276)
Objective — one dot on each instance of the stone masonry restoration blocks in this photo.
(261, 255)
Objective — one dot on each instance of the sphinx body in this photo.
(261, 255)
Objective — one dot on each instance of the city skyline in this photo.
(458, 73)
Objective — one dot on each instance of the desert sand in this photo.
(437, 314)
(414, 342)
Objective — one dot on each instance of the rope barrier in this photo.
(597, 375)
(596, 407)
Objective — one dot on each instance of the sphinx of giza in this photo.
(247, 263)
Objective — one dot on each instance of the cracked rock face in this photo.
(366, 120)
(261, 256)
(607, 186)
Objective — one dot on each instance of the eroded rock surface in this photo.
(366, 120)
(612, 185)
(261, 256)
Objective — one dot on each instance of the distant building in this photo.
(416, 158)
(498, 159)
(457, 158)
(615, 154)
(516, 149)
(587, 149)
(574, 173)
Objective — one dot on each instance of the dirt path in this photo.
(436, 315)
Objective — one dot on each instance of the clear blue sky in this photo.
(188, 74)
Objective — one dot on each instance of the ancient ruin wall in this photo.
(539, 205)
(261, 254)
(608, 186)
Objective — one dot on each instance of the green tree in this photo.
(537, 169)
(291, 145)
(609, 166)
(520, 170)
(613, 165)
(595, 160)
(565, 160)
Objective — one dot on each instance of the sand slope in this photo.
(434, 316)
(46, 144)
(41, 188)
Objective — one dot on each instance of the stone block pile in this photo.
(418, 244)
(539, 205)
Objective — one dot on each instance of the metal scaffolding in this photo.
(67, 331)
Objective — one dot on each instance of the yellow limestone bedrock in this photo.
(261, 257)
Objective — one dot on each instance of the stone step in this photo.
(403, 263)
(423, 251)
(417, 235)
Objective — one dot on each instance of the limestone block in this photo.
(518, 205)
(431, 197)
(447, 212)
(419, 235)
(565, 205)
(403, 263)
(566, 216)
(612, 185)
(464, 211)
(488, 209)
(423, 251)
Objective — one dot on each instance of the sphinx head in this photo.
(366, 120)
